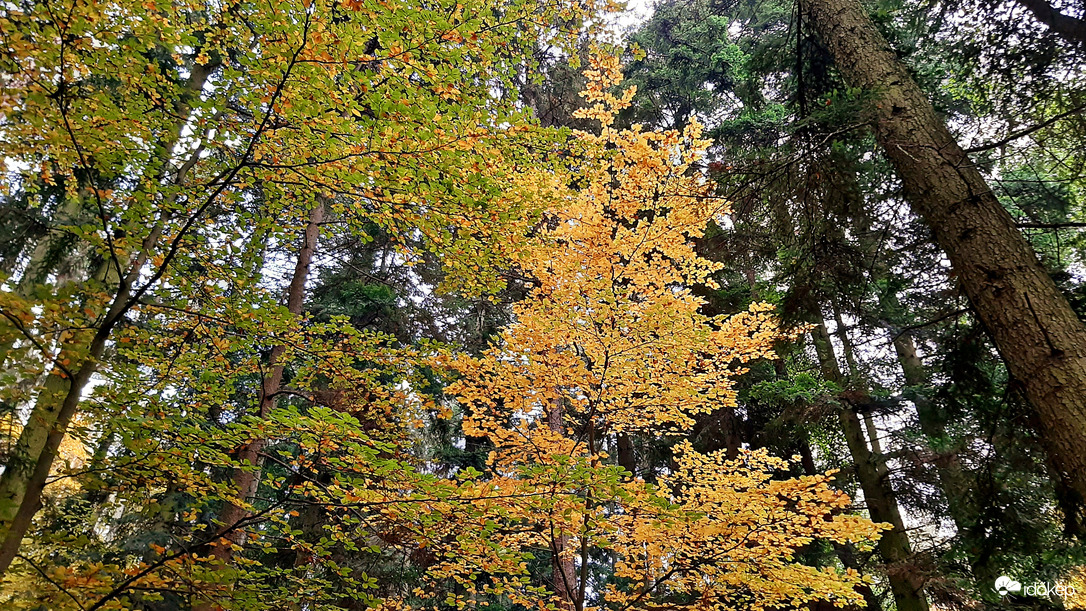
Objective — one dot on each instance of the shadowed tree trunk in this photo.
(894, 545)
(627, 458)
(1071, 29)
(1038, 334)
(952, 479)
(845, 552)
(563, 573)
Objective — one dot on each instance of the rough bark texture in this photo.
(1038, 334)
(894, 545)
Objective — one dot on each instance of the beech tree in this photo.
(212, 119)
(353, 304)
(611, 341)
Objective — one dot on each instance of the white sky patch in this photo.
(636, 13)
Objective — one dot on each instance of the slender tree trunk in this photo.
(45, 257)
(952, 479)
(857, 381)
(563, 571)
(627, 458)
(1038, 334)
(947, 464)
(730, 430)
(894, 545)
(247, 476)
(31, 460)
(845, 552)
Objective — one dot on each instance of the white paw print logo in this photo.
(1005, 585)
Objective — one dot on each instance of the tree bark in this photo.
(1039, 336)
(247, 476)
(627, 458)
(31, 460)
(563, 571)
(952, 478)
(894, 545)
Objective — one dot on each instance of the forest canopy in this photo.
(542, 305)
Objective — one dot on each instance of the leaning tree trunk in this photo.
(845, 552)
(1070, 28)
(1039, 336)
(58, 402)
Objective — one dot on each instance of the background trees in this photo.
(822, 223)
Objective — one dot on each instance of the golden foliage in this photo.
(611, 340)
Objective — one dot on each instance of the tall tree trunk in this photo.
(1039, 336)
(894, 545)
(563, 572)
(247, 476)
(845, 552)
(627, 458)
(948, 466)
(857, 381)
(31, 460)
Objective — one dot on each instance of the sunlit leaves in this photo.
(611, 340)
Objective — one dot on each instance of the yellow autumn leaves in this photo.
(610, 340)
(612, 332)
